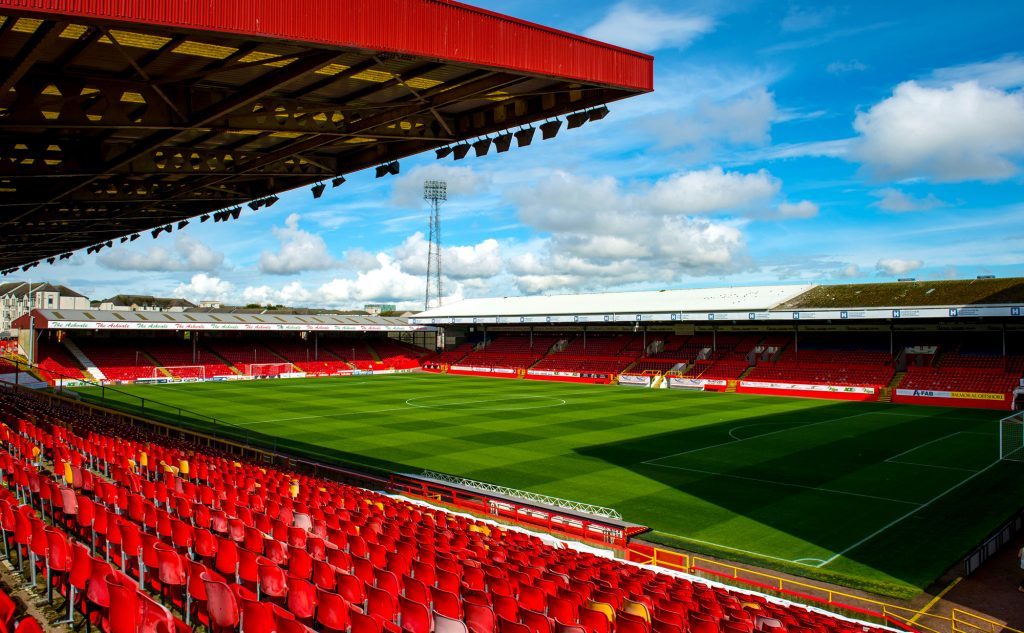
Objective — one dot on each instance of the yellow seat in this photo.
(638, 609)
(601, 607)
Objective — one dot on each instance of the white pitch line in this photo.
(754, 437)
(745, 551)
(790, 485)
(963, 470)
(914, 448)
(908, 514)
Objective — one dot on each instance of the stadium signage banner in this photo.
(634, 380)
(785, 386)
(958, 395)
(694, 383)
(943, 312)
(248, 327)
(548, 372)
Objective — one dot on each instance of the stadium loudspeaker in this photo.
(337, 182)
(550, 129)
(598, 113)
(503, 142)
(576, 119)
(318, 190)
(525, 136)
(482, 146)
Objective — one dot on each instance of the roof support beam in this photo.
(29, 53)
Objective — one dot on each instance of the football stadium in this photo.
(824, 456)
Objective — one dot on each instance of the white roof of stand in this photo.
(739, 298)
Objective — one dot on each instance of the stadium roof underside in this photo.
(903, 300)
(129, 320)
(119, 117)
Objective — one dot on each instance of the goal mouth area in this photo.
(268, 369)
(180, 371)
(1011, 437)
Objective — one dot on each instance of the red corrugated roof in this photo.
(439, 29)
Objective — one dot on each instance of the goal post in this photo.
(268, 369)
(181, 371)
(1011, 438)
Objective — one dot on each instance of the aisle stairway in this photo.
(84, 361)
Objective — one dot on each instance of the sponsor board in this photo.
(548, 372)
(786, 386)
(633, 380)
(958, 395)
(694, 383)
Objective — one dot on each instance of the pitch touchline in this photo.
(753, 437)
(908, 514)
(914, 448)
(791, 485)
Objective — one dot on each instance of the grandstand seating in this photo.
(450, 356)
(960, 378)
(242, 352)
(726, 369)
(223, 541)
(55, 362)
(823, 373)
(306, 357)
(178, 354)
(515, 352)
(120, 360)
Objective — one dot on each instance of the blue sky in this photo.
(784, 142)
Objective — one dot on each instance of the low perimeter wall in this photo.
(830, 392)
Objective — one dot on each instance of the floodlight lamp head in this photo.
(182, 224)
(337, 182)
(443, 152)
(502, 142)
(255, 204)
(482, 146)
(576, 119)
(318, 190)
(549, 129)
(598, 113)
(459, 151)
(525, 136)
(270, 201)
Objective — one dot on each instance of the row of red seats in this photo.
(315, 550)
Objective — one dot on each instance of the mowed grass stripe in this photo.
(593, 448)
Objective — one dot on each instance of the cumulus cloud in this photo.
(897, 201)
(850, 271)
(649, 28)
(299, 251)
(458, 262)
(187, 254)
(387, 282)
(802, 209)
(461, 181)
(964, 131)
(894, 266)
(203, 287)
(292, 294)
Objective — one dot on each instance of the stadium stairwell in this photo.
(209, 350)
(85, 361)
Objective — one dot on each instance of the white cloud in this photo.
(897, 201)
(742, 119)
(300, 251)
(457, 262)
(1005, 72)
(850, 271)
(895, 266)
(713, 190)
(203, 286)
(188, 254)
(387, 282)
(802, 209)
(292, 294)
(461, 181)
(649, 28)
(843, 67)
(949, 134)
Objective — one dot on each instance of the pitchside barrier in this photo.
(863, 607)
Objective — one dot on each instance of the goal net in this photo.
(184, 372)
(268, 369)
(1011, 438)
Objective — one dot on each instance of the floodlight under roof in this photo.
(337, 182)
(598, 113)
(576, 119)
(502, 142)
(549, 129)
(525, 136)
(459, 151)
(318, 190)
(482, 146)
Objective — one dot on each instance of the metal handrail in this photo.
(563, 504)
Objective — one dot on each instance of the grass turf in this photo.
(876, 497)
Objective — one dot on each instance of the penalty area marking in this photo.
(552, 401)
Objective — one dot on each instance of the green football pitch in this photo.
(873, 496)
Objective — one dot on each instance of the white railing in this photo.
(563, 504)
